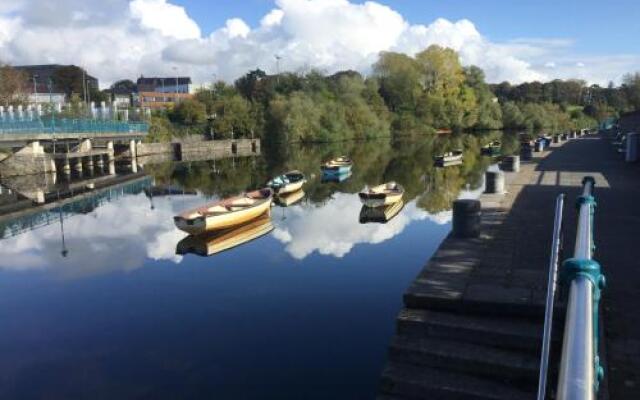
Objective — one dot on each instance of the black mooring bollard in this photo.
(494, 182)
(511, 164)
(466, 218)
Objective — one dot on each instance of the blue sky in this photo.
(595, 26)
(514, 40)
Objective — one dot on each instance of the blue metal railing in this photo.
(580, 369)
(67, 125)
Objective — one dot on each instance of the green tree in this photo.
(12, 85)
(189, 112)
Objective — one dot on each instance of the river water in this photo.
(104, 298)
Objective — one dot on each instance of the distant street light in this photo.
(278, 58)
(175, 71)
(35, 88)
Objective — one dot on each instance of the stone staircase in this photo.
(449, 355)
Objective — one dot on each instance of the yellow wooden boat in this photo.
(225, 213)
(382, 195)
(225, 239)
(289, 198)
(380, 215)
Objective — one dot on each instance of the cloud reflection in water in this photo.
(121, 235)
(333, 228)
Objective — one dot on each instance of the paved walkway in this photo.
(473, 320)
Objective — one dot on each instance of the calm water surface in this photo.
(96, 303)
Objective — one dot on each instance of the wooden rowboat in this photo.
(382, 195)
(289, 199)
(289, 182)
(340, 165)
(380, 215)
(225, 213)
(449, 159)
(492, 149)
(225, 239)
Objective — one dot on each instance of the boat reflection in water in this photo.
(331, 177)
(380, 215)
(289, 199)
(218, 241)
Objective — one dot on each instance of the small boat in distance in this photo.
(380, 215)
(286, 200)
(492, 149)
(382, 195)
(225, 213)
(225, 239)
(340, 165)
(449, 159)
(335, 178)
(289, 182)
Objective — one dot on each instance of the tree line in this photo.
(403, 96)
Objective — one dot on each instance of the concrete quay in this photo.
(472, 323)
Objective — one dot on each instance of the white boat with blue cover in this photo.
(337, 166)
(289, 182)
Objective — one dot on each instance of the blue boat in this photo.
(337, 166)
(335, 178)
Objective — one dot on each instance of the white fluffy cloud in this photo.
(125, 38)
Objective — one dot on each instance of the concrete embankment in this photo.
(473, 318)
(34, 159)
(149, 153)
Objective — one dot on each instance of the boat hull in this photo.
(448, 162)
(289, 198)
(380, 215)
(379, 199)
(216, 242)
(290, 187)
(336, 170)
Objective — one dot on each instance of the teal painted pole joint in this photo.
(590, 200)
(574, 267)
(590, 269)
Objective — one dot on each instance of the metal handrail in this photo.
(551, 292)
(580, 369)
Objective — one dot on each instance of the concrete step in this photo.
(499, 332)
(409, 382)
(487, 300)
(467, 358)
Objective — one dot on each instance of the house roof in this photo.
(169, 80)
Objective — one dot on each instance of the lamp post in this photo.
(84, 87)
(64, 250)
(35, 88)
(175, 72)
(211, 118)
(50, 84)
(88, 92)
